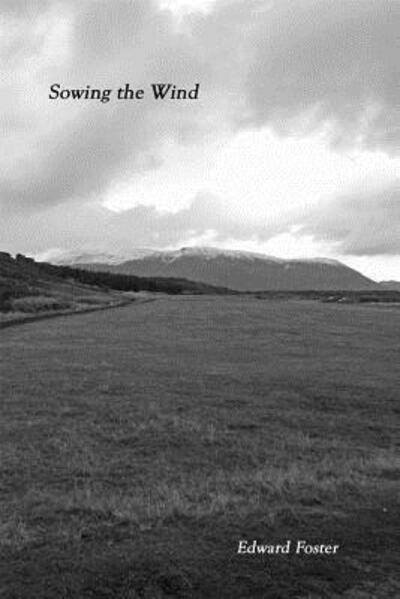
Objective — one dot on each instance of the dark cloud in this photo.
(294, 66)
(364, 224)
(141, 226)
(23, 8)
(328, 61)
(89, 144)
(206, 213)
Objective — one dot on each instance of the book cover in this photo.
(199, 299)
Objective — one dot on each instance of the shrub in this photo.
(5, 297)
(39, 303)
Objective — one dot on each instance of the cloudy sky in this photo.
(292, 148)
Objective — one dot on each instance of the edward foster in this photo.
(301, 547)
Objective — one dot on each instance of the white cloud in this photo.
(185, 7)
(257, 176)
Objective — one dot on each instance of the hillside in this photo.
(30, 289)
(242, 271)
(28, 292)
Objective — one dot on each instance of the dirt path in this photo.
(28, 319)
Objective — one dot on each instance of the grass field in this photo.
(139, 445)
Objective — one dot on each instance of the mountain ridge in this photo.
(240, 270)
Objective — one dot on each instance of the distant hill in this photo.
(242, 271)
(391, 285)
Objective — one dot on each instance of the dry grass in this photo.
(177, 427)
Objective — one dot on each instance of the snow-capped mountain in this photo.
(242, 271)
(62, 257)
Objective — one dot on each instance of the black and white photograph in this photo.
(200, 299)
